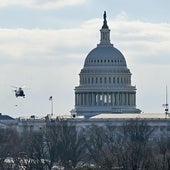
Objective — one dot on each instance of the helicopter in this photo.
(19, 92)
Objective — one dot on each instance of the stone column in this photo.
(89, 99)
(78, 99)
(117, 98)
(123, 99)
(86, 99)
(110, 99)
(76, 96)
(83, 99)
(98, 99)
(126, 99)
(93, 99)
(129, 99)
(131, 96)
(120, 98)
(113, 101)
(134, 99)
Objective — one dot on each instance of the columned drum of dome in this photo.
(105, 81)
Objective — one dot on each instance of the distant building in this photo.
(159, 122)
(105, 81)
(6, 120)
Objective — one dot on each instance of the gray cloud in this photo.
(41, 4)
(49, 62)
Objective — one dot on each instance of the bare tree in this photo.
(103, 146)
(136, 150)
(64, 144)
(51, 138)
(31, 153)
(163, 152)
(9, 146)
(71, 145)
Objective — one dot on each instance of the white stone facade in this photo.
(105, 81)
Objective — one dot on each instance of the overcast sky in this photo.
(43, 45)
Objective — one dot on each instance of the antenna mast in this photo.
(166, 104)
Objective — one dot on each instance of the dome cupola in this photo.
(105, 54)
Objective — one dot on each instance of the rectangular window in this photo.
(105, 80)
(109, 80)
(88, 80)
(100, 79)
(96, 80)
(92, 80)
(113, 79)
(118, 80)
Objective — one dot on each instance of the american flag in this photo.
(165, 105)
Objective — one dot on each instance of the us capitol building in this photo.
(105, 81)
(104, 96)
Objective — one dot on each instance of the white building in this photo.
(105, 81)
(159, 122)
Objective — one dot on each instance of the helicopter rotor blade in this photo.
(23, 87)
(14, 87)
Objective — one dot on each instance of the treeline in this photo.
(60, 144)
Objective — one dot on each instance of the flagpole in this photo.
(51, 99)
(52, 107)
(166, 95)
(166, 108)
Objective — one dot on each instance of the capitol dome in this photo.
(105, 81)
(105, 56)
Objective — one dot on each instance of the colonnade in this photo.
(105, 99)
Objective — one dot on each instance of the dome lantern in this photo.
(105, 33)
